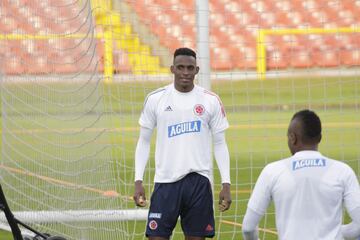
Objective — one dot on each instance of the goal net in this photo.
(75, 75)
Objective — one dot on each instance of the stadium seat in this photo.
(349, 57)
(246, 59)
(276, 59)
(7, 24)
(249, 16)
(13, 66)
(37, 65)
(326, 58)
(4, 48)
(300, 57)
(234, 26)
(221, 59)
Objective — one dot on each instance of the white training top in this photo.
(184, 122)
(308, 191)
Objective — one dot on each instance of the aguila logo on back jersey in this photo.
(183, 128)
(305, 163)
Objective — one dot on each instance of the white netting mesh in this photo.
(75, 74)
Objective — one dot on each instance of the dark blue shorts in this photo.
(191, 199)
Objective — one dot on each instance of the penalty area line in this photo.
(133, 129)
(107, 193)
(265, 230)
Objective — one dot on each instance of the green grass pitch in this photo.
(258, 112)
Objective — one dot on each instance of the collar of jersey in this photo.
(183, 93)
(307, 153)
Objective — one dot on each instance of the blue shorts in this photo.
(191, 199)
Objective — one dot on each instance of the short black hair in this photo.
(310, 124)
(184, 51)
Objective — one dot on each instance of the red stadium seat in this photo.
(221, 59)
(7, 24)
(249, 16)
(300, 58)
(349, 57)
(13, 66)
(276, 59)
(234, 27)
(326, 58)
(37, 65)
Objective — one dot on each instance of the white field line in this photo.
(131, 129)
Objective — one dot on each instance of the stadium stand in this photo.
(234, 28)
(27, 50)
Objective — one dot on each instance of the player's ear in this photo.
(197, 69)
(172, 68)
(292, 138)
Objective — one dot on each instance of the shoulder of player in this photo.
(275, 167)
(340, 166)
(156, 94)
(207, 94)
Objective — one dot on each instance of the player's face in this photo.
(184, 70)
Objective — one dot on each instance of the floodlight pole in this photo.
(203, 52)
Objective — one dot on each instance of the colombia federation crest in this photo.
(199, 109)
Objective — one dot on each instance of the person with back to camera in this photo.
(186, 117)
(309, 190)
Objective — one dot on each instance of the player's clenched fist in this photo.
(225, 198)
(139, 195)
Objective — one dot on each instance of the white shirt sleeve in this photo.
(250, 225)
(222, 157)
(352, 230)
(351, 191)
(148, 114)
(142, 152)
(261, 195)
(218, 122)
(352, 205)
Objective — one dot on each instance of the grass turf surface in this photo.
(258, 112)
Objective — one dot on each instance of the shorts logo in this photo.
(155, 215)
(318, 162)
(185, 127)
(199, 109)
(168, 109)
(153, 225)
(209, 228)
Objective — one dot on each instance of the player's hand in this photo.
(139, 195)
(224, 197)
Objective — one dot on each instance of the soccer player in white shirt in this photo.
(186, 117)
(309, 190)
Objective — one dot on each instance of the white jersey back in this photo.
(308, 191)
(184, 122)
